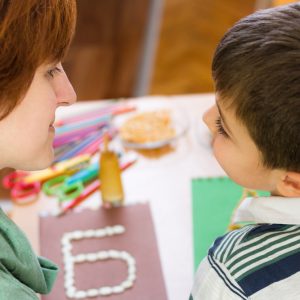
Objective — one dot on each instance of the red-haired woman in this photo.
(34, 37)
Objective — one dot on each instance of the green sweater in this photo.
(22, 273)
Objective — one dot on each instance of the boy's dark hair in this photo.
(256, 68)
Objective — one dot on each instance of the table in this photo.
(166, 183)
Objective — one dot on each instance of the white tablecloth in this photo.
(166, 183)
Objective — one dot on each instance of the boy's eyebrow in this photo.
(223, 119)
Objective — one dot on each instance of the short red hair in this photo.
(32, 32)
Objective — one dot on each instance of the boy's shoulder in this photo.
(256, 256)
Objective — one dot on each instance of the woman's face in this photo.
(26, 134)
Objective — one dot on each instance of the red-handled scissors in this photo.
(25, 186)
(21, 192)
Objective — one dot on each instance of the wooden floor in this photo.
(190, 32)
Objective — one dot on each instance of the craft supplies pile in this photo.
(74, 174)
(89, 157)
(80, 150)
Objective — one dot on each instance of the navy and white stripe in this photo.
(270, 252)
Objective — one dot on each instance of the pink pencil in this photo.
(113, 110)
(70, 136)
(89, 114)
(94, 147)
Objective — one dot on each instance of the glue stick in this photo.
(110, 177)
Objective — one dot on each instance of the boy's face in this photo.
(236, 152)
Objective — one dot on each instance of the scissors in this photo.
(67, 187)
(67, 166)
(25, 186)
(21, 193)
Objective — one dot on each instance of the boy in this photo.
(255, 126)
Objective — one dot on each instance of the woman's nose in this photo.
(64, 91)
(209, 118)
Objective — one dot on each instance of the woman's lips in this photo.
(51, 127)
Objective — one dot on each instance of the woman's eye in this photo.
(220, 128)
(53, 71)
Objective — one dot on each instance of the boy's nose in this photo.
(209, 118)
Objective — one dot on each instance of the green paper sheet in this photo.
(213, 202)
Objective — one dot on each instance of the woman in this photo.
(34, 38)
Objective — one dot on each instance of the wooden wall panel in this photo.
(190, 32)
(282, 2)
(105, 54)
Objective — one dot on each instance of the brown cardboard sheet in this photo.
(139, 240)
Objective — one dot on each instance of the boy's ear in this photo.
(289, 185)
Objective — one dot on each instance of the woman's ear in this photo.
(289, 185)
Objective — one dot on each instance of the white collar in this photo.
(274, 210)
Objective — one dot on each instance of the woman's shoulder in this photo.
(13, 242)
(12, 288)
(19, 262)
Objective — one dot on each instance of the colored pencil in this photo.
(89, 190)
(76, 134)
(99, 112)
(80, 125)
(84, 175)
(58, 151)
(114, 109)
(78, 148)
(87, 115)
(94, 147)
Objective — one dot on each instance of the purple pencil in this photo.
(94, 147)
(76, 134)
(77, 149)
(94, 113)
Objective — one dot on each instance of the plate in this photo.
(178, 123)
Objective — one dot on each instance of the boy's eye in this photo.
(220, 128)
(53, 71)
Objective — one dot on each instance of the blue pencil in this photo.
(84, 175)
(81, 125)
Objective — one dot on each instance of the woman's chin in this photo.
(38, 163)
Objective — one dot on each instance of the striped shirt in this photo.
(259, 261)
